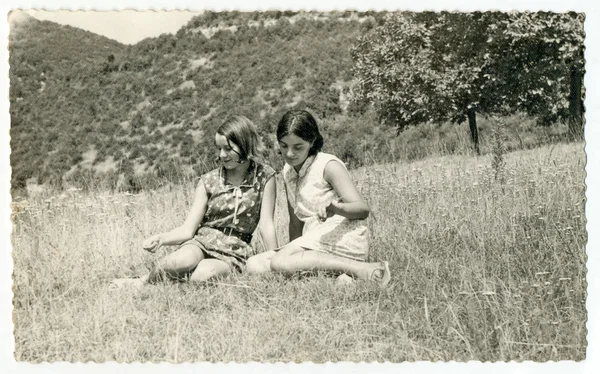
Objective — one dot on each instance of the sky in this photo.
(131, 26)
(127, 26)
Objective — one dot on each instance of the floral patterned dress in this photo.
(306, 191)
(232, 214)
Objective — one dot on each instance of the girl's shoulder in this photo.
(210, 178)
(322, 159)
(322, 156)
(263, 173)
(264, 170)
(215, 173)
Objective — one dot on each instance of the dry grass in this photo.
(482, 271)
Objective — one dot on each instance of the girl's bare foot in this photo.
(381, 274)
(132, 283)
(344, 279)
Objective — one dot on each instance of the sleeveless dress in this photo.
(307, 190)
(232, 215)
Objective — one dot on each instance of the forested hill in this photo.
(85, 109)
(53, 94)
(84, 106)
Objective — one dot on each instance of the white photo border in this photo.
(592, 136)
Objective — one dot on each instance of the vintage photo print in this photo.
(327, 184)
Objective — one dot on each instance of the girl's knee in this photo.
(260, 263)
(183, 260)
(283, 260)
(210, 268)
(280, 262)
(253, 265)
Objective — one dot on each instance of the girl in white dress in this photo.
(327, 213)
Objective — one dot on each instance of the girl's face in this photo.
(229, 152)
(294, 149)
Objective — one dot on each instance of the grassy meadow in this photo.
(487, 264)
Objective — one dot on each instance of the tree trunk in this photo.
(576, 104)
(473, 127)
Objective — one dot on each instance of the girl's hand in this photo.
(327, 210)
(152, 243)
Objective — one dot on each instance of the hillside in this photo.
(56, 99)
(83, 105)
(90, 112)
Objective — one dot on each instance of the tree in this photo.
(549, 61)
(389, 63)
(422, 67)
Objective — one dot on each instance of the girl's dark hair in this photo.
(302, 124)
(242, 132)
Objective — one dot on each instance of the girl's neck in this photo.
(237, 174)
(299, 166)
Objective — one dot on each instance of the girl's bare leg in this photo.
(172, 266)
(176, 264)
(293, 258)
(260, 263)
(210, 268)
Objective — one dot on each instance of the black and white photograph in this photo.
(288, 184)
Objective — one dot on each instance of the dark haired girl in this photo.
(327, 229)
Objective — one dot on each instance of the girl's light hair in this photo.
(242, 132)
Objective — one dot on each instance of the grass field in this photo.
(482, 270)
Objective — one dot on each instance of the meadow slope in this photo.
(482, 270)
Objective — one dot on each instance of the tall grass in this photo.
(480, 272)
(361, 143)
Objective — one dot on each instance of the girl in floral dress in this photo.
(229, 203)
(327, 228)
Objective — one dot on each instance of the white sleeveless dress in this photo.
(306, 191)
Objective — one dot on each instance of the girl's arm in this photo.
(266, 227)
(351, 204)
(187, 230)
(296, 226)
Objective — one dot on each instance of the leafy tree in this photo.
(545, 53)
(421, 67)
(393, 67)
